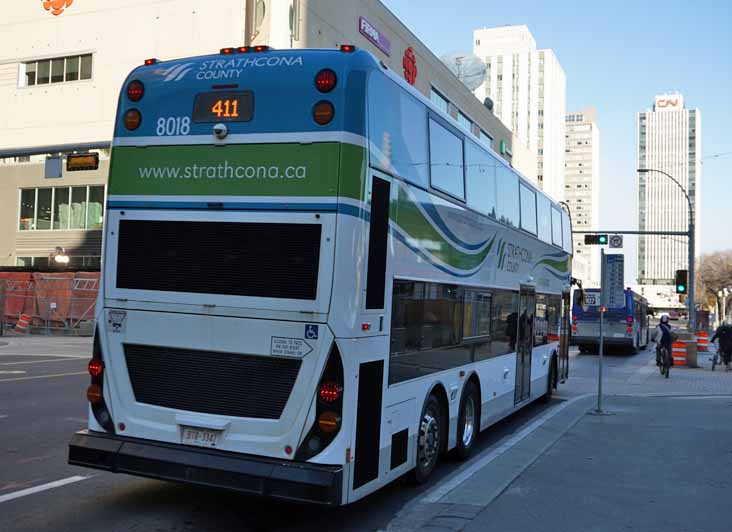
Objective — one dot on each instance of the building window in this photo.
(486, 139)
(464, 121)
(439, 100)
(61, 208)
(56, 70)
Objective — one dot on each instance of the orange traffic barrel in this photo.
(23, 323)
(679, 353)
(702, 341)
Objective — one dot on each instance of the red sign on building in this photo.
(409, 62)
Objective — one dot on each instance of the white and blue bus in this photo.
(314, 281)
(625, 327)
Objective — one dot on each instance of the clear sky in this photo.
(617, 56)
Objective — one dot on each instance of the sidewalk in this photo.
(580, 472)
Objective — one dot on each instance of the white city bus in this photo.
(314, 281)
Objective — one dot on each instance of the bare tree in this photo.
(713, 273)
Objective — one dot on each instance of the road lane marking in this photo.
(12, 372)
(42, 487)
(41, 361)
(3, 416)
(449, 484)
(3, 354)
(44, 376)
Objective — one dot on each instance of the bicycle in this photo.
(666, 361)
(718, 359)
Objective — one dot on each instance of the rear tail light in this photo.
(323, 113)
(150, 61)
(629, 330)
(325, 80)
(132, 119)
(135, 91)
(95, 391)
(329, 392)
(574, 328)
(328, 409)
(348, 48)
(227, 51)
(630, 320)
(574, 318)
(96, 368)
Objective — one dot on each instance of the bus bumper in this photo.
(294, 481)
(595, 341)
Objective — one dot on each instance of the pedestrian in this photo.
(724, 335)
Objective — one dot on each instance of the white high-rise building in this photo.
(528, 88)
(582, 188)
(669, 139)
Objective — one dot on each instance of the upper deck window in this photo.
(397, 131)
(446, 160)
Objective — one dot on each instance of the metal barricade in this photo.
(49, 304)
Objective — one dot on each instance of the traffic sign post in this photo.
(616, 241)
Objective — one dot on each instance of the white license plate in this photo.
(618, 335)
(590, 300)
(200, 437)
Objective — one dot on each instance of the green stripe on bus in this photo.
(292, 169)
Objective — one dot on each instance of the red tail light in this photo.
(135, 91)
(348, 48)
(629, 330)
(629, 319)
(325, 80)
(574, 318)
(574, 328)
(96, 368)
(329, 392)
(150, 61)
(132, 119)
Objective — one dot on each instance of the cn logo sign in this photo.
(667, 102)
(56, 7)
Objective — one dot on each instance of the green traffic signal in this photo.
(602, 239)
(680, 289)
(682, 279)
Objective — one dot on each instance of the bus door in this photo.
(525, 342)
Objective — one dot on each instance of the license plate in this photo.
(590, 300)
(618, 335)
(199, 437)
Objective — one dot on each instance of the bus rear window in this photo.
(224, 106)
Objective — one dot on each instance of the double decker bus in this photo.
(314, 281)
(625, 327)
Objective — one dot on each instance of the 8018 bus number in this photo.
(173, 125)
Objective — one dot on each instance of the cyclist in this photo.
(724, 335)
(662, 337)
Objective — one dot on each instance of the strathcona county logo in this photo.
(56, 7)
(226, 68)
(175, 73)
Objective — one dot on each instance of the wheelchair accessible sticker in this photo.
(311, 332)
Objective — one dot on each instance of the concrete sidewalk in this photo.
(661, 461)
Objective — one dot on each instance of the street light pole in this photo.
(692, 304)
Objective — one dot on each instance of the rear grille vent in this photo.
(210, 382)
(224, 258)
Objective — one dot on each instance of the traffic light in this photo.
(682, 281)
(596, 240)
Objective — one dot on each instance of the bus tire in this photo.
(468, 425)
(550, 381)
(430, 437)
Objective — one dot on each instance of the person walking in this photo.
(724, 336)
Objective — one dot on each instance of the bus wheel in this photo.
(468, 421)
(551, 378)
(429, 439)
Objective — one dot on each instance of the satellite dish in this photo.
(468, 68)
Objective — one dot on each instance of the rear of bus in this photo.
(214, 362)
(619, 324)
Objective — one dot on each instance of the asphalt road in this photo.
(42, 388)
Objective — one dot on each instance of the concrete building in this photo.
(528, 87)
(669, 139)
(62, 65)
(582, 188)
